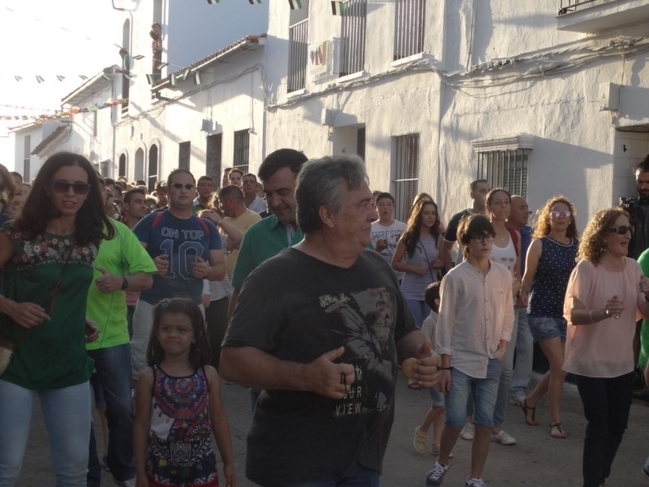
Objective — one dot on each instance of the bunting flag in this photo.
(252, 2)
(295, 4)
(197, 78)
(338, 8)
(185, 74)
(66, 113)
(41, 78)
(173, 78)
(212, 2)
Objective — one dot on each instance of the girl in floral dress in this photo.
(178, 405)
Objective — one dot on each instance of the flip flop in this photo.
(523, 405)
(560, 434)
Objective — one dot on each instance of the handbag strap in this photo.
(430, 268)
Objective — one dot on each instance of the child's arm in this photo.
(142, 425)
(220, 426)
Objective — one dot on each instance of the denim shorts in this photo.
(544, 327)
(436, 398)
(484, 392)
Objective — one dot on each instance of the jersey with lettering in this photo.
(182, 240)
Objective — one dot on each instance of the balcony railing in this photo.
(409, 28)
(298, 38)
(352, 59)
(572, 5)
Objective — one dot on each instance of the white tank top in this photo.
(504, 255)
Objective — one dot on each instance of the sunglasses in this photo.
(622, 229)
(180, 186)
(483, 238)
(557, 213)
(78, 187)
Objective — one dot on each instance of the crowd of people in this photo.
(142, 301)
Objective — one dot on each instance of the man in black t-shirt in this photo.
(479, 190)
(324, 343)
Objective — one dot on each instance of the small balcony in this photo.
(599, 16)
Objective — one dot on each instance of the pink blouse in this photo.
(602, 349)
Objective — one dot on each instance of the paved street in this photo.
(537, 460)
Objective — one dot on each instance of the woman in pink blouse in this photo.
(604, 299)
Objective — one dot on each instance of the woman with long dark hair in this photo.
(606, 292)
(47, 256)
(417, 255)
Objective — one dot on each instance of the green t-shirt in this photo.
(263, 240)
(51, 355)
(122, 255)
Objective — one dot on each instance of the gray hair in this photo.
(319, 183)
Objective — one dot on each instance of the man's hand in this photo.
(427, 366)
(107, 283)
(162, 263)
(201, 268)
(92, 331)
(326, 378)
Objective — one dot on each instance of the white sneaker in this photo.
(436, 475)
(125, 483)
(468, 432)
(475, 483)
(503, 438)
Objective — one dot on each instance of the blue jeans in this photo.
(483, 392)
(113, 366)
(506, 377)
(358, 476)
(67, 417)
(524, 356)
(419, 310)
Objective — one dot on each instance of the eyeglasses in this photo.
(563, 213)
(63, 187)
(622, 229)
(483, 238)
(180, 186)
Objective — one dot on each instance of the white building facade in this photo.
(544, 98)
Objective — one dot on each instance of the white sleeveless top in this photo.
(504, 255)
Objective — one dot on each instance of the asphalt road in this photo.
(537, 459)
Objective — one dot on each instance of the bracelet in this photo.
(590, 315)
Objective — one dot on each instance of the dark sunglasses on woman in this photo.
(63, 187)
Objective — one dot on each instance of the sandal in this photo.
(556, 431)
(526, 409)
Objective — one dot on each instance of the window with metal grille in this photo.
(298, 39)
(241, 150)
(213, 156)
(505, 169)
(406, 173)
(409, 28)
(153, 167)
(184, 151)
(27, 160)
(352, 42)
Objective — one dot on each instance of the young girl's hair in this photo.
(199, 353)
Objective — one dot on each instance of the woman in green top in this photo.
(47, 256)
